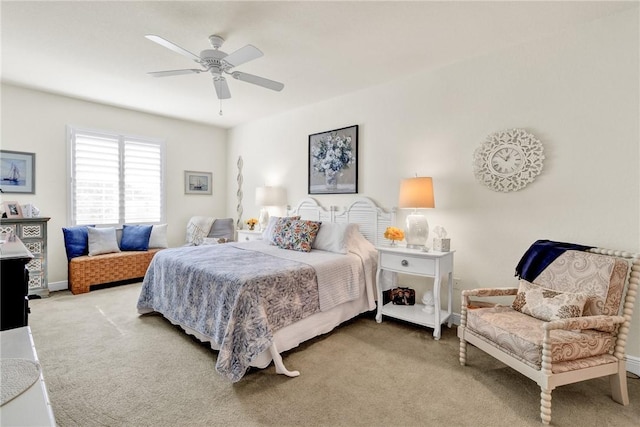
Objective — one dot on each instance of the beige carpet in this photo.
(106, 366)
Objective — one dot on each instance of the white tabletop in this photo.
(32, 407)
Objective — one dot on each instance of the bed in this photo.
(253, 300)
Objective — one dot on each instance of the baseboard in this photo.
(632, 362)
(58, 286)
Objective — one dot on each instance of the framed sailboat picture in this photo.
(197, 182)
(17, 172)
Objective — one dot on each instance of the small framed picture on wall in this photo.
(18, 172)
(197, 182)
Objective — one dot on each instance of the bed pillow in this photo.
(547, 304)
(76, 240)
(102, 240)
(267, 234)
(158, 237)
(135, 237)
(332, 238)
(297, 235)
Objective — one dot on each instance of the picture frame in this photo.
(197, 182)
(12, 209)
(17, 172)
(333, 161)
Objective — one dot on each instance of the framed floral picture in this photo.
(18, 171)
(333, 161)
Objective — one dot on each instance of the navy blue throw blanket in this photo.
(540, 254)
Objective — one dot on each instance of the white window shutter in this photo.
(115, 179)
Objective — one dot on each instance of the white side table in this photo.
(249, 235)
(417, 263)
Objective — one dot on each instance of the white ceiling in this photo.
(319, 50)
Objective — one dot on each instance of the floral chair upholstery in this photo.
(570, 324)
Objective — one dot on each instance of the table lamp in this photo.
(416, 193)
(269, 196)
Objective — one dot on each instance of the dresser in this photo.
(33, 234)
(14, 302)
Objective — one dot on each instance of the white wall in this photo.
(577, 92)
(35, 122)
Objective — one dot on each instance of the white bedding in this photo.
(340, 277)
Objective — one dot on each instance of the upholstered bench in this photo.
(86, 271)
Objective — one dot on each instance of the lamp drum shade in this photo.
(271, 196)
(416, 193)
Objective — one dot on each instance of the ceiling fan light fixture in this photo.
(216, 41)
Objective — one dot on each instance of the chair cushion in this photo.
(601, 277)
(521, 336)
(222, 228)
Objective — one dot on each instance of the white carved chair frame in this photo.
(544, 377)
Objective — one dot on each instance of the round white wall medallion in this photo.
(508, 160)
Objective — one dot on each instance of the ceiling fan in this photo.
(218, 63)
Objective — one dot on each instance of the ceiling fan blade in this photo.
(174, 47)
(242, 55)
(174, 72)
(260, 81)
(222, 88)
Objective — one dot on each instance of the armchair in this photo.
(569, 325)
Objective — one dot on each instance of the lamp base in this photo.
(263, 221)
(417, 231)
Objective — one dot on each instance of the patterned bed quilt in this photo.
(239, 295)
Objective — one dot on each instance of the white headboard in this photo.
(372, 219)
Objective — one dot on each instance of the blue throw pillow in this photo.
(135, 237)
(76, 240)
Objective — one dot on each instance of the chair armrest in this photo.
(586, 322)
(481, 292)
(489, 292)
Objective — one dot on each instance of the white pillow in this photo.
(102, 240)
(158, 238)
(331, 237)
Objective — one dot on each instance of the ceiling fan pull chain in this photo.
(220, 107)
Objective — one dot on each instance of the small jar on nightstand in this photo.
(249, 235)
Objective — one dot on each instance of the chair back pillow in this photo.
(547, 304)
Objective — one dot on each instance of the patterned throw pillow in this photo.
(295, 234)
(547, 304)
(276, 222)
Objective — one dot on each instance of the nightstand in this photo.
(417, 263)
(248, 235)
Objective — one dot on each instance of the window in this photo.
(115, 179)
